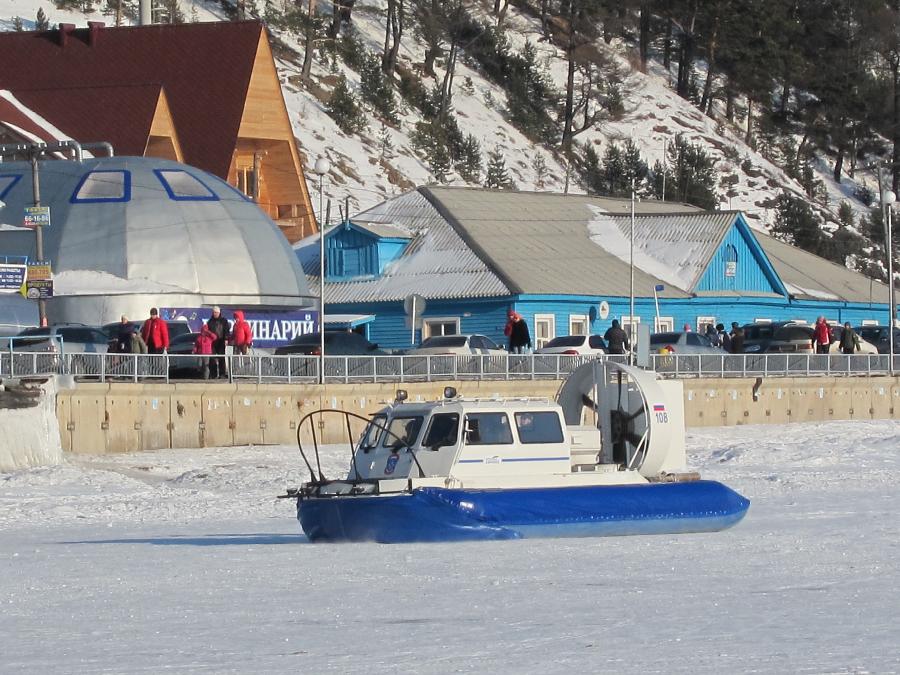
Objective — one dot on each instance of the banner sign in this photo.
(40, 289)
(37, 216)
(39, 270)
(12, 277)
(269, 328)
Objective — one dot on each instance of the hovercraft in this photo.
(606, 458)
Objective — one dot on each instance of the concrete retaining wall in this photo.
(100, 418)
(29, 435)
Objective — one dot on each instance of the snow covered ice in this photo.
(184, 561)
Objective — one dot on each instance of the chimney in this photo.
(94, 29)
(65, 30)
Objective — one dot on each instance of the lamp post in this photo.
(888, 198)
(322, 167)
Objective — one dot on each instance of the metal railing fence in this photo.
(410, 368)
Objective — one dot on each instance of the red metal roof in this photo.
(12, 114)
(204, 68)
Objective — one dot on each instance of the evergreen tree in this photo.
(497, 176)
(590, 174)
(469, 166)
(613, 175)
(439, 162)
(796, 223)
(539, 166)
(41, 22)
(376, 89)
(385, 143)
(18, 24)
(690, 175)
(344, 108)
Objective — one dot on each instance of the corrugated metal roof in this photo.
(385, 230)
(810, 277)
(436, 264)
(541, 243)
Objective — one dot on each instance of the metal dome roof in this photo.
(154, 227)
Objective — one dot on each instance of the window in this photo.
(539, 427)
(6, 184)
(443, 431)
(664, 338)
(443, 326)
(704, 321)
(597, 342)
(445, 341)
(698, 340)
(627, 323)
(488, 429)
(566, 341)
(182, 186)
(578, 324)
(246, 181)
(373, 432)
(730, 256)
(662, 324)
(544, 329)
(402, 432)
(103, 186)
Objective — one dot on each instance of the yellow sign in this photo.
(39, 271)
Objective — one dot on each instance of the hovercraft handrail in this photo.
(347, 415)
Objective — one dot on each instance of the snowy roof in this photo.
(25, 122)
(436, 264)
(384, 230)
(809, 277)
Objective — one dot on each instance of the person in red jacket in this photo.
(241, 335)
(203, 346)
(821, 336)
(155, 333)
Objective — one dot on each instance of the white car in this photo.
(575, 344)
(457, 344)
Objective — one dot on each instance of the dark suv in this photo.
(878, 336)
(779, 337)
(336, 344)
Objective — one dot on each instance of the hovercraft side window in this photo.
(402, 432)
(488, 429)
(443, 431)
(539, 427)
(373, 432)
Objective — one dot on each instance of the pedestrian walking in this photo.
(241, 335)
(616, 338)
(849, 343)
(821, 338)
(519, 335)
(218, 326)
(737, 339)
(203, 347)
(155, 333)
(724, 337)
(122, 340)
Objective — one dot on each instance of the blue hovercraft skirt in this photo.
(441, 514)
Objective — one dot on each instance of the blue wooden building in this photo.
(563, 262)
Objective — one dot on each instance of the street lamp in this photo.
(888, 199)
(322, 167)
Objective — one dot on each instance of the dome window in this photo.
(6, 184)
(184, 187)
(103, 186)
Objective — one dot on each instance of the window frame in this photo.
(428, 321)
(703, 321)
(431, 425)
(537, 341)
(534, 414)
(583, 318)
(660, 323)
(212, 197)
(466, 442)
(126, 189)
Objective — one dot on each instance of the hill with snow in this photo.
(380, 161)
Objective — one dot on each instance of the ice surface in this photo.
(184, 561)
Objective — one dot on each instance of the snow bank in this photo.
(30, 436)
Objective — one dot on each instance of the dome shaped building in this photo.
(130, 233)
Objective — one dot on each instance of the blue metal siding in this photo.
(350, 253)
(750, 272)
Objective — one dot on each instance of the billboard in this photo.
(269, 328)
(12, 278)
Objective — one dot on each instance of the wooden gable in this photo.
(162, 140)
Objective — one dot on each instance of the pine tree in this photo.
(344, 108)
(18, 24)
(690, 174)
(497, 176)
(796, 223)
(613, 174)
(377, 89)
(41, 21)
(439, 162)
(385, 144)
(590, 174)
(469, 166)
(539, 166)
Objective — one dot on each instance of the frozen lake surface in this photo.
(183, 561)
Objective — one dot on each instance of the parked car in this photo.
(682, 343)
(878, 336)
(336, 344)
(575, 344)
(176, 329)
(184, 363)
(76, 338)
(781, 337)
(457, 344)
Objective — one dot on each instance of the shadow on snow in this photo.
(206, 540)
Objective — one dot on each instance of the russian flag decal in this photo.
(659, 408)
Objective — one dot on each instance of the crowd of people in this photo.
(152, 337)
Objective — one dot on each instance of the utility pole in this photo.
(39, 229)
(632, 333)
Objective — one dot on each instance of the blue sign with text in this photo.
(269, 328)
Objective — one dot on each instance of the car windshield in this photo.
(445, 341)
(186, 338)
(566, 341)
(664, 338)
(373, 432)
